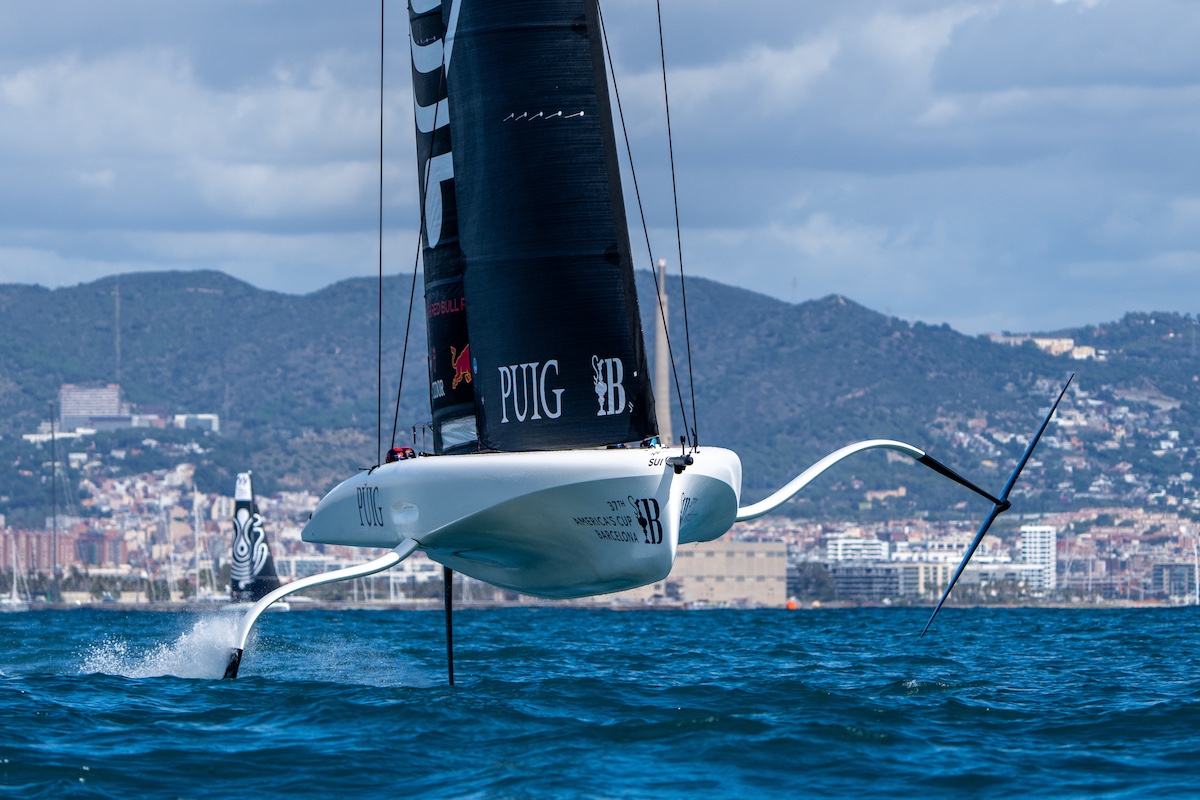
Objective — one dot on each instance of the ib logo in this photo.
(607, 375)
(648, 512)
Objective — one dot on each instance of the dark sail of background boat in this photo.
(532, 189)
(252, 570)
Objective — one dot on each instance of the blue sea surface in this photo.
(564, 702)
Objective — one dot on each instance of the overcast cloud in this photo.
(1022, 165)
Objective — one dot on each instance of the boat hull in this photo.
(552, 524)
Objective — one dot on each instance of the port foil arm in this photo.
(804, 478)
(1000, 505)
(394, 557)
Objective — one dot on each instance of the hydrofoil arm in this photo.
(401, 552)
(804, 478)
(999, 504)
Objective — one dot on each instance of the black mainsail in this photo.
(526, 244)
(252, 571)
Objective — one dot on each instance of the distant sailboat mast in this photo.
(204, 558)
(117, 327)
(1195, 567)
(662, 360)
(196, 535)
(14, 602)
(53, 506)
(170, 541)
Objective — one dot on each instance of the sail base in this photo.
(553, 524)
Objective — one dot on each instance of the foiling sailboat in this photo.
(547, 475)
(13, 601)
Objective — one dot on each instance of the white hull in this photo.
(553, 524)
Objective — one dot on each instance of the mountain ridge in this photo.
(293, 376)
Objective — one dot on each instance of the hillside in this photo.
(293, 378)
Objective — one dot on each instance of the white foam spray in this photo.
(201, 652)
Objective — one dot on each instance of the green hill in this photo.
(294, 380)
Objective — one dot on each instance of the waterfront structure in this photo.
(855, 548)
(1039, 547)
(1175, 581)
(879, 580)
(724, 572)
(728, 572)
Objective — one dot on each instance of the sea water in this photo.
(565, 703)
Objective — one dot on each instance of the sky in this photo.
(1025, 165)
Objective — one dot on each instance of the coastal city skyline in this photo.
(158, 530)
(1129, 535)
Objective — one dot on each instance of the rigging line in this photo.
(412, 292)
(379, 338)
(641, 211)
(687, 335)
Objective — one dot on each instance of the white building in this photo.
(855, 548)
(1038, 546)
(80, 406)
(203, 422)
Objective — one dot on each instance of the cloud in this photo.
(294, 263)
(1020, 165)
(1034, 45)
(759, 84)
(266, 191)
(100, 178)
(141, 125)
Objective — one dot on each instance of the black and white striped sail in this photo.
(252, 571)
(451, 398)
(526, 242)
